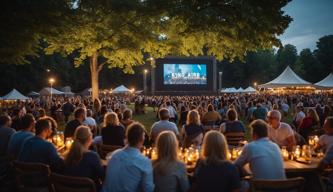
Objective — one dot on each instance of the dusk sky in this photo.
(312, 19)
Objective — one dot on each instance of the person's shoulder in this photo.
(285, 125)
(91, 155)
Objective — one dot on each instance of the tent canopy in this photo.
(67, 90)
(240, 90)
(121, 89)
(33, 94)
(326, 83)
(250, 90)
(47, 91)
(14, 95)
(288, 78)
(229, 90)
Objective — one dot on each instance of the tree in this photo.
(309, 66)
(25, 24)
(324, 54)
(286, 56)
(122, 34)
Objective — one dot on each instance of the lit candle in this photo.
(153, 155)
(69, 142)
(284, 153)
(297, 152)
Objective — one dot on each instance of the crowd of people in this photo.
(212, 124)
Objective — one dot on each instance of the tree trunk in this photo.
(94, 70)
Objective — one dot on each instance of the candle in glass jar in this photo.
(297, 152)
(284, 153)
(69, 142)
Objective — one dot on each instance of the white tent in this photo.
(240, 90)
(288, 78)
(33, 94)
(67, 90)
(326, 83)
(229, 90)
(14, 95)
(121, 89)
(250, 90)
(47, 91)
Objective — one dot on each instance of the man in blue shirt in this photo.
(38, 150)
(17, 139)
(163, 125)
(128, 170)
(262, 154)
(5, 133)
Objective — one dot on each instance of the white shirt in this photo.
(89, 121)
(325, 141)
(280, 135)
(264, 158)
(299, 116)
(172, 111)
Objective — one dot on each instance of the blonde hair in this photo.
(167, 149)
(214, 148)
(111, 118)
(81, 136)
(193, 117)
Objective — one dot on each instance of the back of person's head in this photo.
(127, 114)
(232, 114)
(214, 148)
(41, 112)
(274, 114)
(328, 125)
(210, 107)
(167, 147)
(41, 125)
(168, 103)
(259, 128)
(82, 136)
(89, 113)
(135, 134)
(111, 118)
(79, 112)
(5, 120)
(193, 117)
(313, 114)
(182, 108)
(27, 121)
(163, 114)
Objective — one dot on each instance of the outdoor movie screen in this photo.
(185, 74)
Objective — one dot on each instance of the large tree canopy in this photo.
(25, 24)
(121, 33)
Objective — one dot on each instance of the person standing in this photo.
(5, 133)
(67, 109)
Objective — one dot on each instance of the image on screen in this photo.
(185, 74)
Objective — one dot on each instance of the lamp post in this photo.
(255, 85)
(220, 80)
(51, 81)
(145, 81)
(152, 75)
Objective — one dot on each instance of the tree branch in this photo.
(100, 66)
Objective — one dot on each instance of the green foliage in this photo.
(324, 53)
(309, 66)
(286, 56)
(25, 24)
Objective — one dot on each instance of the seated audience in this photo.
(309, 123)
(17, 139)
(326, 162)
(112, 132)
(232, 124)
(90, 121)
(263, 155)
(127, 118)
(163, 125)
(326, 140)
(5, 133)
(80, 116)
(128, 170)
(211, 116)
(80, 161)
(193, 130)
(169, 173)
(213, 171)
(279, 132)
(38, 150)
